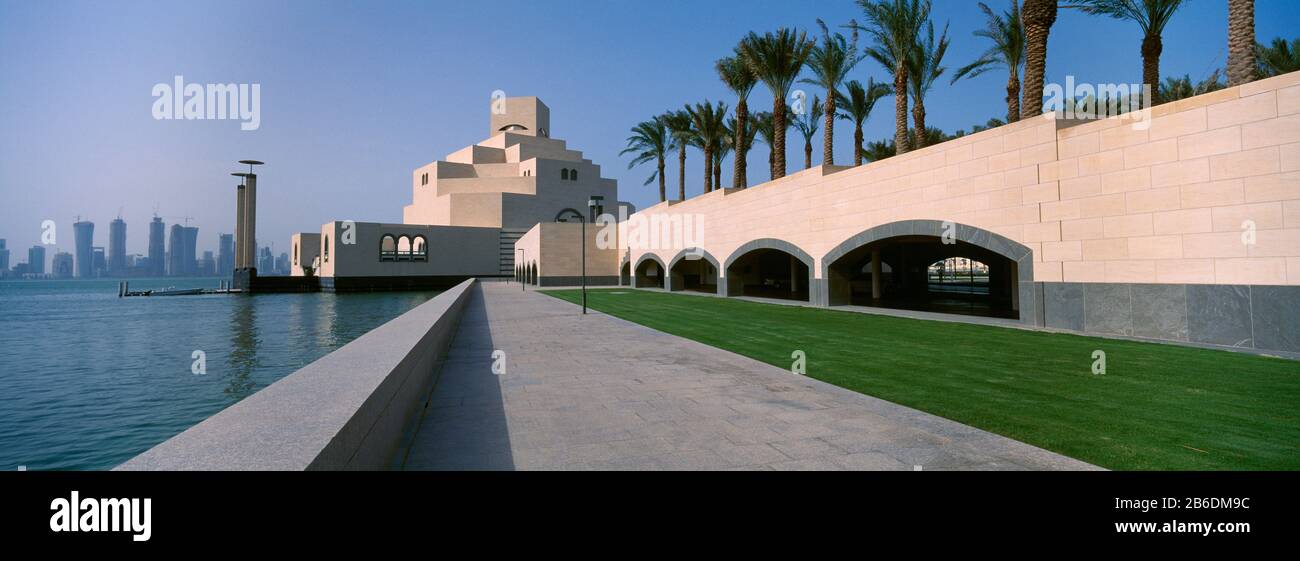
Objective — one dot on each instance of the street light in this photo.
(594, 206)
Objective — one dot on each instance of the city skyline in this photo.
(113, 260)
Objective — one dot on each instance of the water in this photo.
(88, 380)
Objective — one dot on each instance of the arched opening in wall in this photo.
(625, 274)
(403, 248)
(419, 249)
(388, 248)
(649, 274)
(768, 273)
(532, 273)
(919, 272)
(696, 272)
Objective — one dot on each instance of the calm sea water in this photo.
(88, 380)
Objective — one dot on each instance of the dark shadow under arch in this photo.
(694, 269)
(649, 271)
(907, 248)
(771, 268)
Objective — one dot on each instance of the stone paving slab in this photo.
(596, 392)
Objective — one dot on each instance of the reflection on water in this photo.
(243, 347)
(90, 380)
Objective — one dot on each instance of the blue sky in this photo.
(354, 95)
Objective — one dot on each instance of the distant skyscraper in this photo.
(282, 264)
(4, 258)
(117, 248)
(36, 260)
(176, 251)
(266, 262)
(100, 267)
(85, 235)
(191, 258)
(226, 255)
(62, 265)
(157, 252)
(207, 265)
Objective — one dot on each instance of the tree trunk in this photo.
(828, 136)
(900, 109)
(717, 169)
(663, 185)
(738, 179)
(681, 172)
(771, 164)
(1038, 17)
(807, 153)
(778, 137)
(1013, 97)
(1241, 41)
(1151, 47)
(708, 170)
(918, 117)
(857, 144)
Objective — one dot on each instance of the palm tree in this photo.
(650, 142)
(924, 67)
(831, 60)
(1008, 50)
(747, 141)
(1038, 17)
(1279, 57)
(1152, 16)
(893, 26)
(724, 149)
(807, 123)
(1241, 41)
(878, 150)
(1175, 89)
(765, 126)
(776, 60)
(741, 81)
(856, 106)
(708, 120)
(683, 133)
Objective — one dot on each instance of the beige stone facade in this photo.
(1100, 201)
(468, 210)
(1182, 226)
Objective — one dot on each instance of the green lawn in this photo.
(1156, 407)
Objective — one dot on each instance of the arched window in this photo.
(419, 249)
(403, 248)
(326, 245)
(564, 173)
(573, 175)
(388, 248)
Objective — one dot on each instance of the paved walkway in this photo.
(597, 392)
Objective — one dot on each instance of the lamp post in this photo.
(594, 207)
